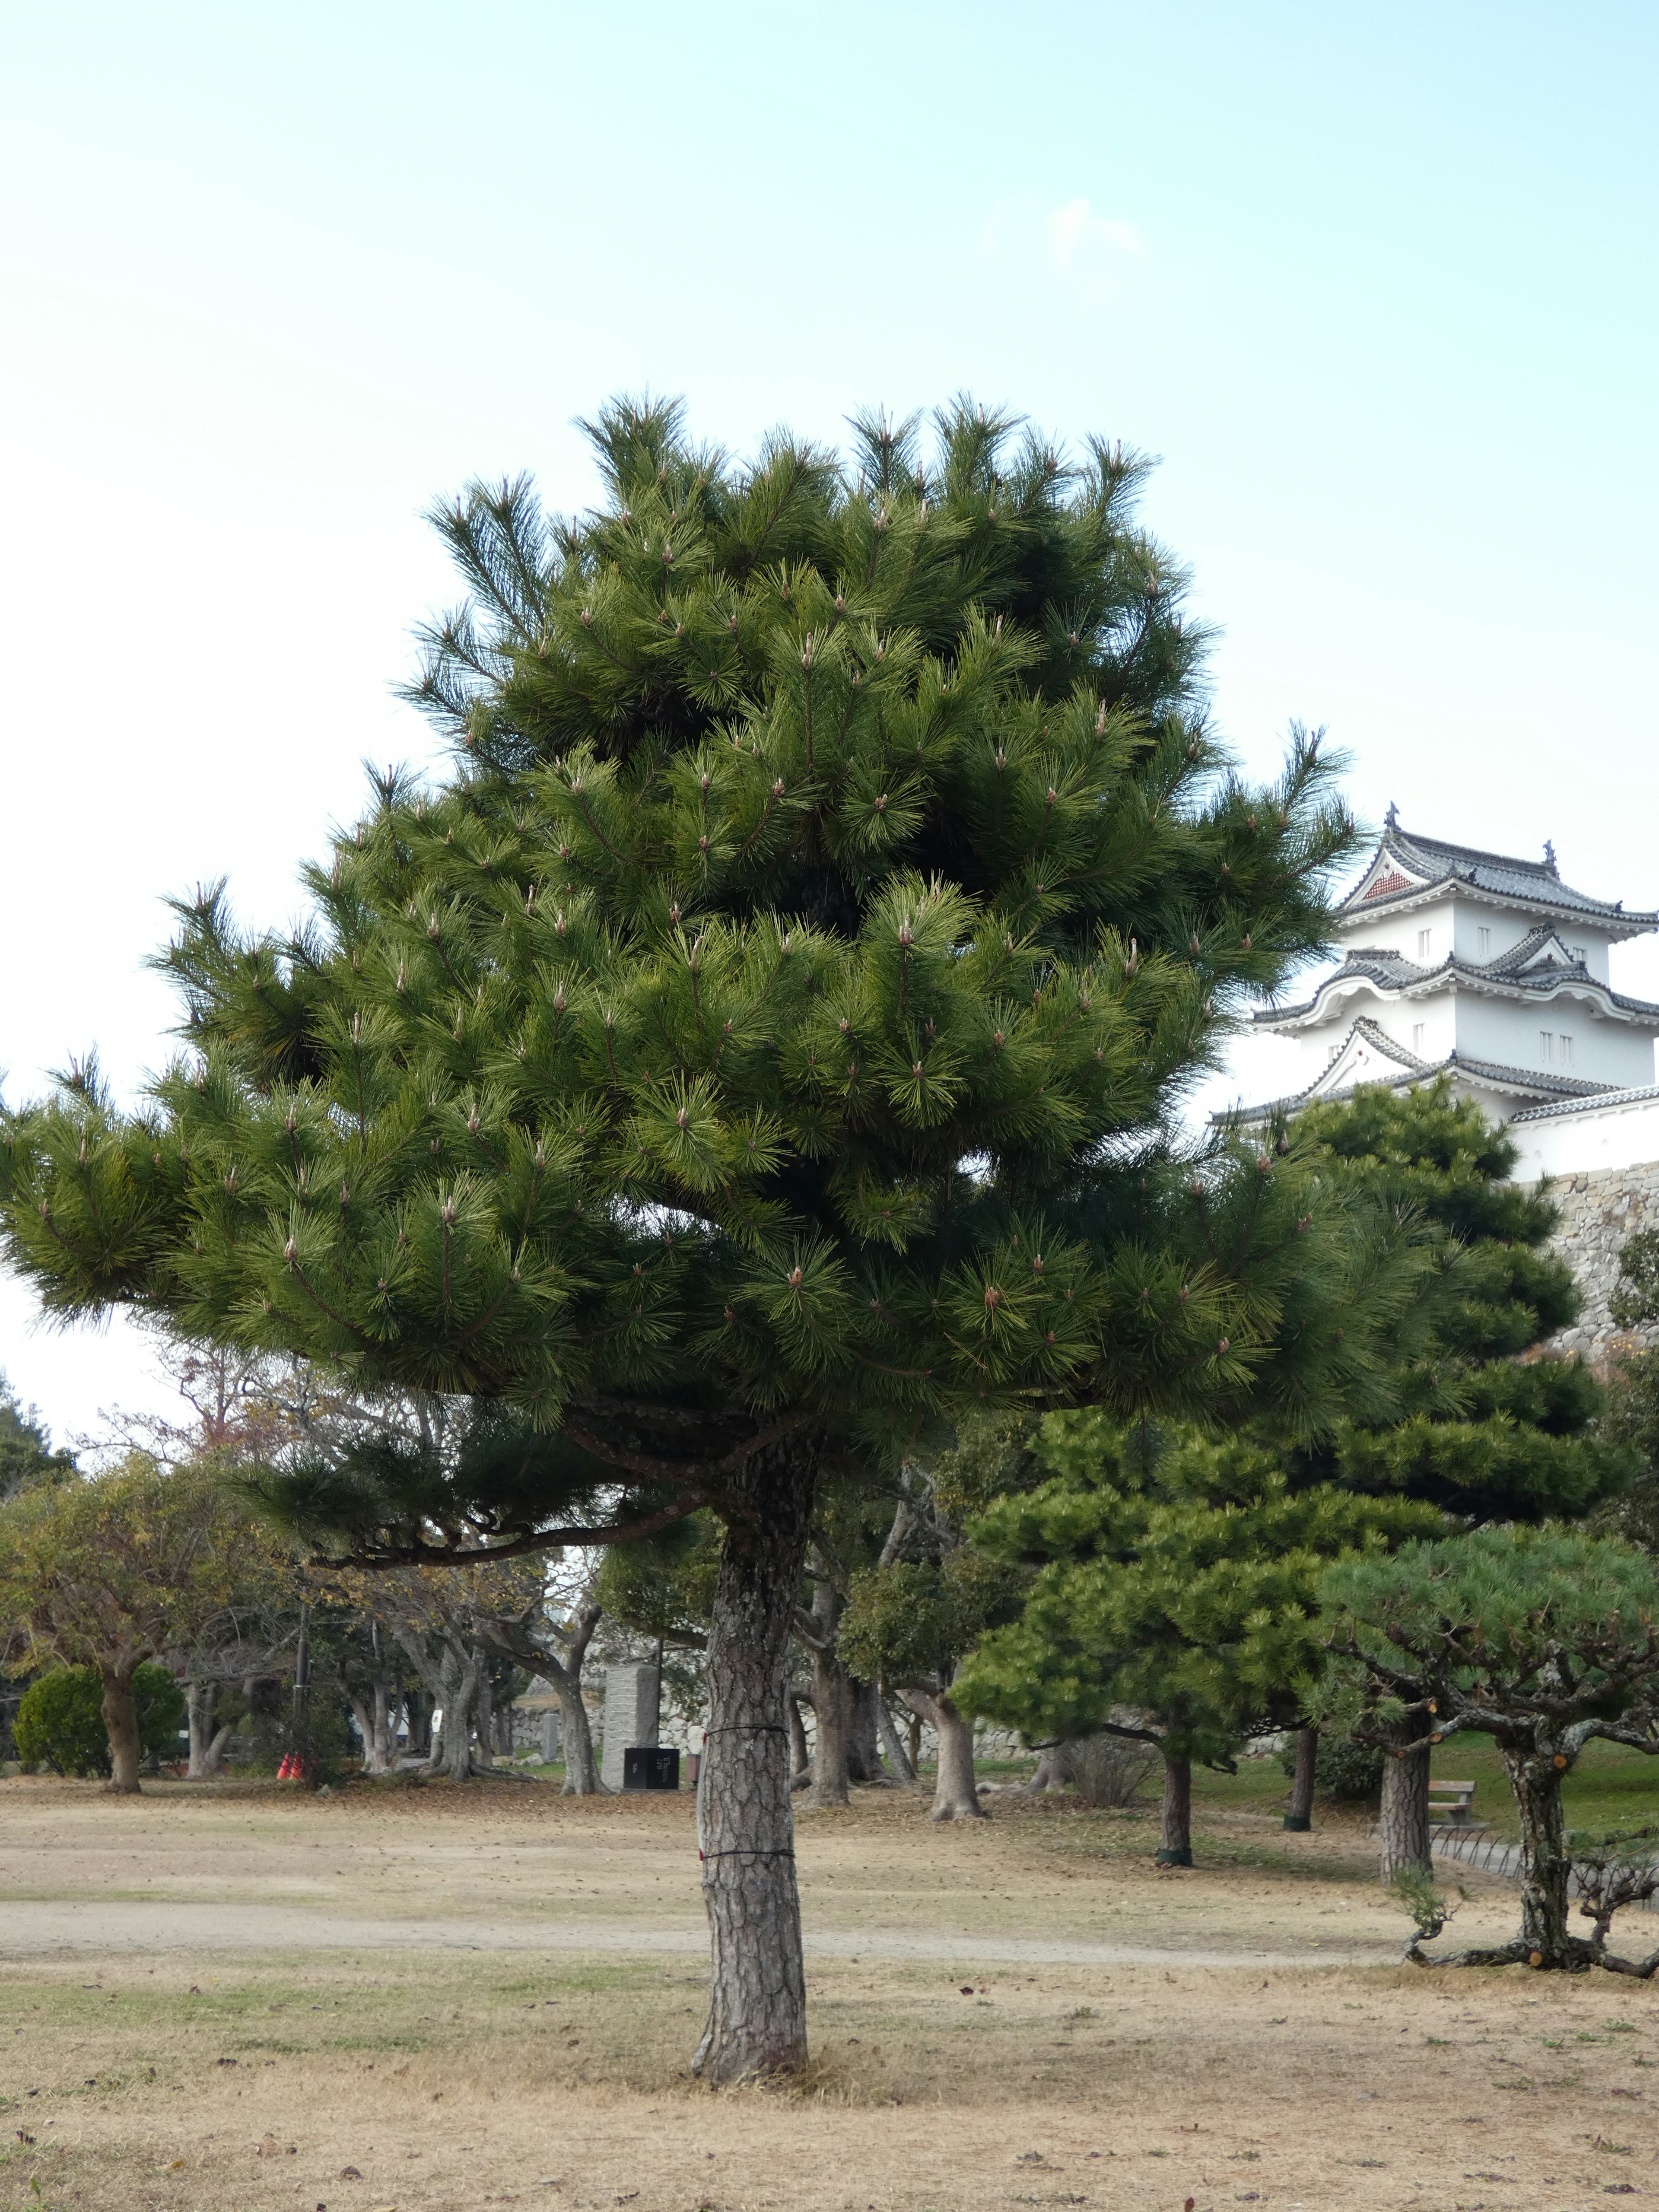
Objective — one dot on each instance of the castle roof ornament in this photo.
(1391, 819)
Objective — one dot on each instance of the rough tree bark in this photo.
(756, 2020)
(1299, 1816)
(956, 1794)
(1176, 1836)
(1404, 1825)
(120, 1710)
(1536, 1779)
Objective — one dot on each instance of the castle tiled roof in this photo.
(1638, 1096)
(1519, 969)
(1556, 1093)
(1422, 864)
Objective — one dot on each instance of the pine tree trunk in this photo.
(120, 1709)
(1536, 1781)
(1404, 1825)
(198, 1708)
(756, 2020)
(1176, 1838)
(1298, 1816)
(581, 1771)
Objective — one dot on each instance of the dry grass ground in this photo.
(221, 2077)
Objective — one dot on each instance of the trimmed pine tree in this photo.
(1182, 1581)
(761, 1046)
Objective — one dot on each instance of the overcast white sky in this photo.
(1378, 285)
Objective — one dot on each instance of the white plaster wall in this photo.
(1503, 1030)
(1470, 917)
(1594, 1141)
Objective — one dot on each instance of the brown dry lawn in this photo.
(226, 2075)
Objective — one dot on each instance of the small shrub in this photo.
(1110, 1771)
(60, 1719)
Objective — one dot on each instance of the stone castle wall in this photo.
(1601, 1210)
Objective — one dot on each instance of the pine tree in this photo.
(1183, 1581)
(1489, 1427)
(759, 1048)
(1177, 1601)
(1544, 1639)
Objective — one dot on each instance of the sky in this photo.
(1377, 286)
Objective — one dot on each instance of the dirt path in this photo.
(38, 1929)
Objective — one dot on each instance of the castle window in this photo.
(1546, 1046)
(1424, 938)
(1418, 1032)
(1579, 955)
(1564, 1042)
(1483, 942)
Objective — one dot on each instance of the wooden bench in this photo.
(1451, 1804)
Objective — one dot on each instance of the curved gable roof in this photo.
(1406, 866)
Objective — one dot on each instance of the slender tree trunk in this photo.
(903, 1765)
(483, 1708)
(581, 1771)
(384, 1742)
(863, 1752)
(1299, 1816)
(459, 1707)
(1176, 1838)
(1536, 1781)
(369, 1712)
(757, 1998)
(955, 1796)
(800, 1758)
(831, 1707)
(213, 1763)
(120, 1709)
(1404, 1825)
(198, 1708)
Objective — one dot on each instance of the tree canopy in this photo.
(837, 867)
(761, 1048)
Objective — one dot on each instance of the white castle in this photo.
(1493, 971)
